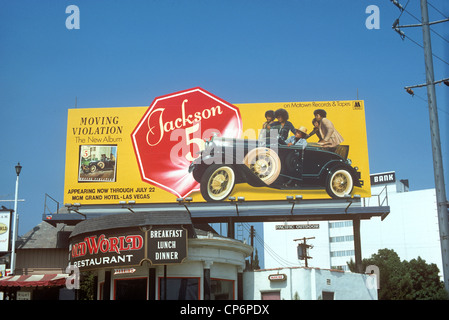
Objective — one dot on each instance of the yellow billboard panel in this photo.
(159, 153)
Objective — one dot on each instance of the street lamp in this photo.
(16, 220)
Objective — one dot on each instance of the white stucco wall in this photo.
(308, 284)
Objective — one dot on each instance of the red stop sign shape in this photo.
(172, 132)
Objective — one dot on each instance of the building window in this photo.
(342, 253)
(340, 224)
(180, 288)
(272, 295)
(342, 238)
(130, 289)
(222, 289)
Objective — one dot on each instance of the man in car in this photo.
(331, 137)
(299, 139)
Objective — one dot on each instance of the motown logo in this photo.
(357, 105)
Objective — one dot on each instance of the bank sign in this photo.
(118, 248)
(383, 178)
(158, 153)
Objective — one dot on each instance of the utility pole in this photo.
(303, 249)
(443, 219)
(436, 146)
(251, 235)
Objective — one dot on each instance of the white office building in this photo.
(410, 229)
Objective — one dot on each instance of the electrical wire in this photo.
(444, 15)
(431, 29)
(436, 9)
(271, 252)
(415, 42)
(425, 100)
(282, 262)
(423, 48)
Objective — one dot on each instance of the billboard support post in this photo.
(357, 244)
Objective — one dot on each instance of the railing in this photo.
(382, 198)
(47, 210)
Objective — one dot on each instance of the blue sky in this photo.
(126, 53)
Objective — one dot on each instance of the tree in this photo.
(255, 265)
(425, 280)
(403, 280)
(87, 286)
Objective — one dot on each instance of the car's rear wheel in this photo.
(101, 165)
(264, 163)
(217, 182)
(339, 183)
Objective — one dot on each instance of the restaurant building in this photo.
(160, 255)
(40, 272)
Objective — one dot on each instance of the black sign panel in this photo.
(128, 247)
(110, 248)
(383, 178)
(167, 245)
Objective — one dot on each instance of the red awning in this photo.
(37, 280)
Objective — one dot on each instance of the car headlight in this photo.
(348, 161)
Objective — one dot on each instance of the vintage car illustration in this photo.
(225, 162)
(97, 165)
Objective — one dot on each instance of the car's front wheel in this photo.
(264, 163)
(217, 182)
(339, 183)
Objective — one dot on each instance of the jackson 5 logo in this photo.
(172, 133)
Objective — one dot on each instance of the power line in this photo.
(283, 262)
(412, 93)
(403, 35)
(425, 100)
(444, 15)
(418, 44)
(439, 35)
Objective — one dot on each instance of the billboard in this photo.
(170, 150)
(5, 230)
